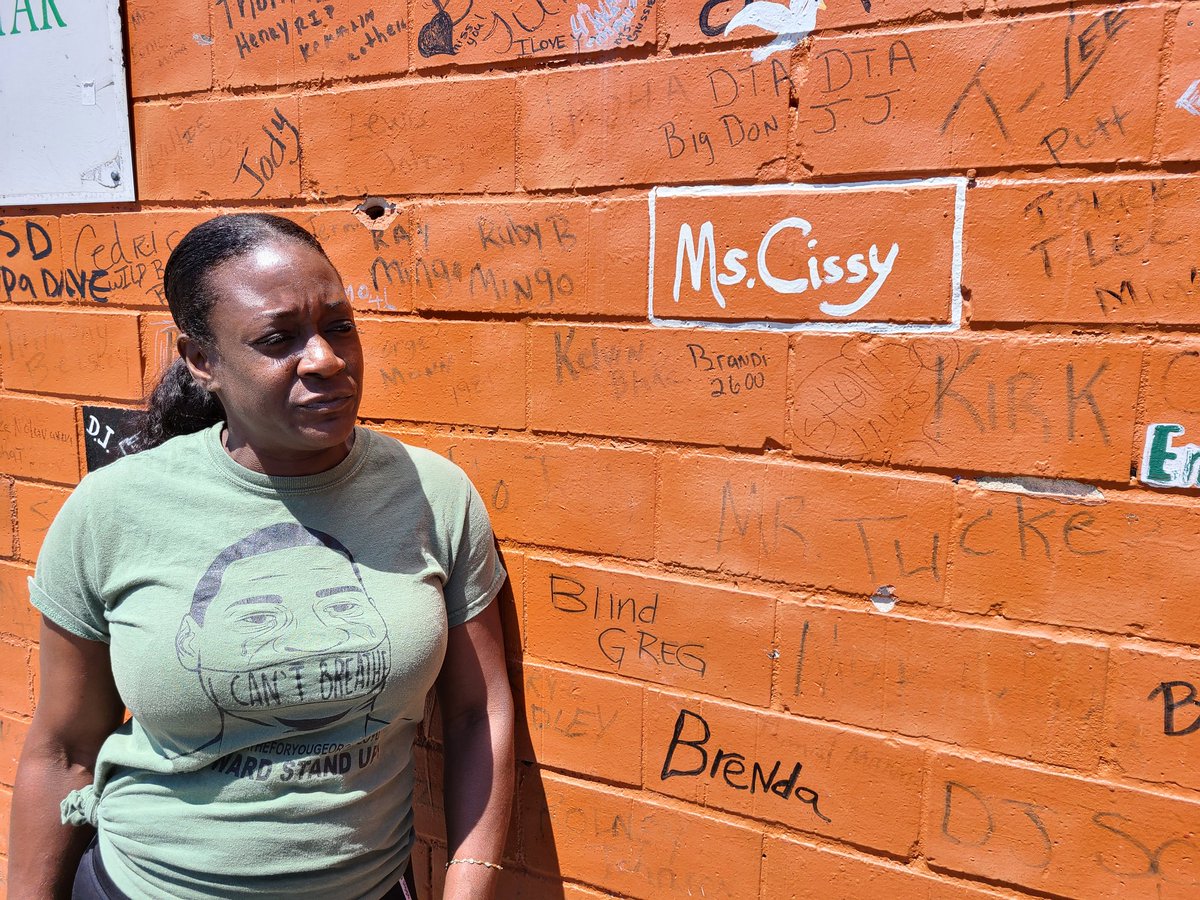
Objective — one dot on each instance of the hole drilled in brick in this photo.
(376, 213)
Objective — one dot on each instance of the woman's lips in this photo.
(322, 404)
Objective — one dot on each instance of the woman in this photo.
(271, 591)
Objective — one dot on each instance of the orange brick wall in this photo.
(796, 612)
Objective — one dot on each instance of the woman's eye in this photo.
(345, 326)
(271, 340)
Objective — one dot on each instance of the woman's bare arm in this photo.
(477, 728)
(77, 709)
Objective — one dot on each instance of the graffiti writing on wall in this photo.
(729, 767)
(807, 257)
(1177, 695)
(480, 30)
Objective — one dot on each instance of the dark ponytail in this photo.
(179, 405)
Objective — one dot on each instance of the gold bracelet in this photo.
(475, 862)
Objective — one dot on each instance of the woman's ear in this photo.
(199, 361)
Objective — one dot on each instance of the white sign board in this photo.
(64, 113)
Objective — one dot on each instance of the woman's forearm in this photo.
(478, 790)
(44, 853)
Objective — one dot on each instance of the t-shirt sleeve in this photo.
(476, 574)
(62, 587)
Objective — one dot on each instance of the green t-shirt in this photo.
(274, 639)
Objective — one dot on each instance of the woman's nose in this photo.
(320, 359)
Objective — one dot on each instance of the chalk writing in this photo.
(730, 766)
(280, 132)
(917, 400)
(725, 87)
(557, 710)
(507, 259)
(315, 33)
(1189, 100)
(567, 595)
(852, 81)
(133, 259)
(974, 818)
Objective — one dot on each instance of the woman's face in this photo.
(285, 359)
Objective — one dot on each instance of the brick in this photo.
(38, 439)
(1170, 396)
(1083, 251)
(7, 524)
(824, 528)
(1151, 714)
(1180, 102)
(1023, 405)
(83, 354)
(15, 685)
(552, 257)
(625, 844)
(694, 386)
(363, 255)
(866, 263)
(501, 256)
(12, 738)
(5, 819)
(438, 857)
(491, 31)
(857, 877)
(158, 336)
(170, 50)
(453, 372)
(1058, 834)
(1031, 697)
(18, 618)
(598, 499)
(1059, 555)
(861, 788)
(583, 724)
(223, 149)
(428, 810)
(37, 505)
(31, 258)
(617, 276)
(1061, 89)
(395, 139)
(527, 887)
(122, 255)
(678, 120)
(421, 853)
(306, 40)
(669, 631)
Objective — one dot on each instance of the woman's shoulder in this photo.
(173, 460)
(431, 469)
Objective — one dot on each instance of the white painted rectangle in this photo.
(891, 261)
(64, 109)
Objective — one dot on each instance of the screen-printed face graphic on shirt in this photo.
(282, 631)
